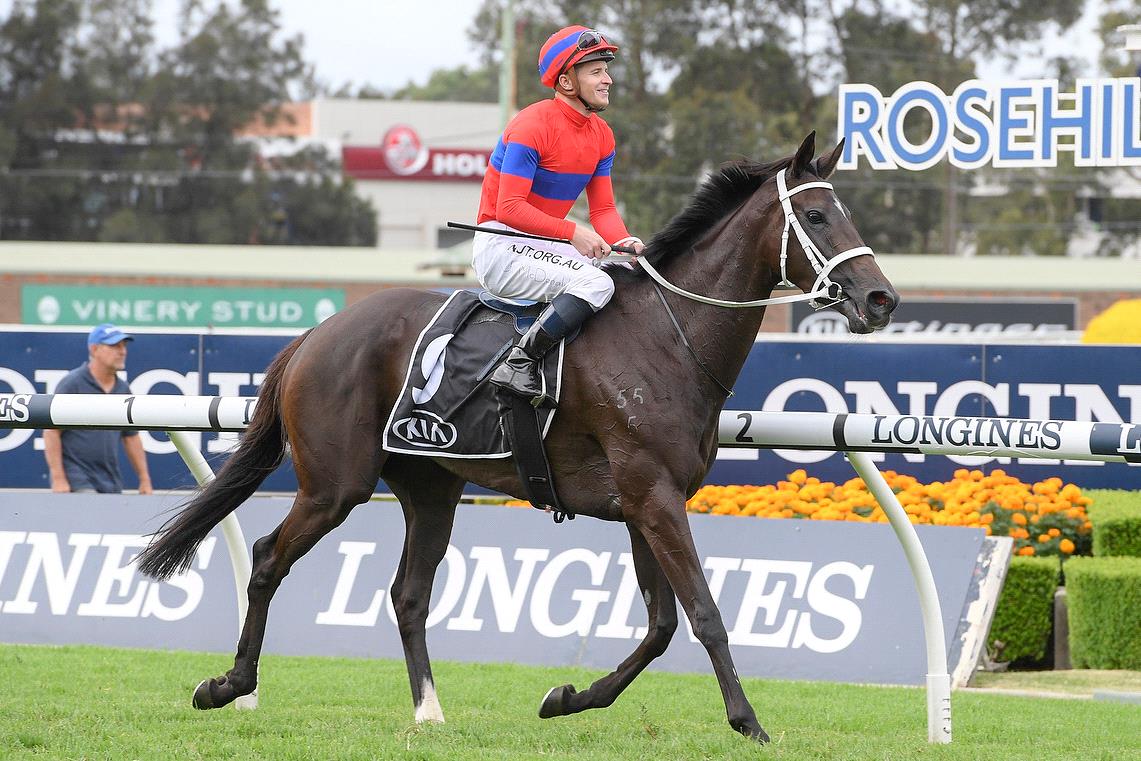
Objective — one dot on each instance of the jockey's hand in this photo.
(589, 243)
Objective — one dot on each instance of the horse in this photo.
(328, 394)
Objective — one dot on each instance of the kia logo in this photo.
(425, 429)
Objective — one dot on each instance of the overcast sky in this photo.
(388, 43)
(385, 43)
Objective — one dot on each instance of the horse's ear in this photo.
(826, 165)
(802, 161)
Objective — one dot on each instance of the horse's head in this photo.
(823, 248)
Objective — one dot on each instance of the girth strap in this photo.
(520, 421)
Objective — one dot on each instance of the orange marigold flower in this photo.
(1018, 518)
(1027, 550)
(1054, 532)
(1066, 546)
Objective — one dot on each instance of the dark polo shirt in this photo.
(91, 457)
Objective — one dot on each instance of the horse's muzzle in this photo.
(869, 312)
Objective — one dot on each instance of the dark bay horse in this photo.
(328, 395)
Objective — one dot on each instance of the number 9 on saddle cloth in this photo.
(446, 406)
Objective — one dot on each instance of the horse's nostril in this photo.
(881, 301)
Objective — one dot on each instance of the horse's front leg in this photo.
(662, 610)
(658, 513)
(428, 495)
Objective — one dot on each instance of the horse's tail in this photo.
(261, 450)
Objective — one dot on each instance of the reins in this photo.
(823, 288)
(825, 292)
(685, 342)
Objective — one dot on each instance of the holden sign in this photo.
(402, 155)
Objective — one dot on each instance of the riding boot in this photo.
(519, 373)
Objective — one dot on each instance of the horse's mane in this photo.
(719, 195)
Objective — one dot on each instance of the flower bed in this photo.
(1045, 518)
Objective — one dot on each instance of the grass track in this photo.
(81, 702)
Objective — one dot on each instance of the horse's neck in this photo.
(725, 265)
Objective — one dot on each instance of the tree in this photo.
(102, 136)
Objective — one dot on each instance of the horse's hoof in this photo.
(753, 731)
(202, 699)
(555, 703)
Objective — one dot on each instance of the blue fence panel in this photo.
(1059, 382)
(235, 366)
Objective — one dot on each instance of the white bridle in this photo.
(823, 288)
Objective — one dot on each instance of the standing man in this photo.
(548, 154)
(87, 460)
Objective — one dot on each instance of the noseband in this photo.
(824, 291)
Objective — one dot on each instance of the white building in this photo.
(420, 163)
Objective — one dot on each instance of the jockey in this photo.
(548, 154)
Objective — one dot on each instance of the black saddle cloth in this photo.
(446, 407)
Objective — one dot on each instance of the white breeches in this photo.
(521, 268)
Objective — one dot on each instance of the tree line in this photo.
(105, 135)
(698, 82)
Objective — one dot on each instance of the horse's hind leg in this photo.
(332, 479)
(274, 554)
(428, 494)
(662, 610)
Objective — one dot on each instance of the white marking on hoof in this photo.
(246, 702)
(429, 707)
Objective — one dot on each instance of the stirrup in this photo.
(544, 401)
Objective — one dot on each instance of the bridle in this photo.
(823, 288)
(824, 293)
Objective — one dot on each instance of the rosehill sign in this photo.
(1000, 124)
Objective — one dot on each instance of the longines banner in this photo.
(937, 317)
(800, 599)
(1039, 382)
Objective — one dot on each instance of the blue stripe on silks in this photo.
(557, 50)
(604, 166)
(517, 159)
(497, 155)
(558, 186)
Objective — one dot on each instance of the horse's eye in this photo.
(815, 217)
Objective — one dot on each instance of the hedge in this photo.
(1116, 519)
(1104, 600)
(1024, 616)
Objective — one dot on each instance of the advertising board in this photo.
(935, 318)
(800, 599)
(1039, 382)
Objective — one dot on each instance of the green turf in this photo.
(1083, 682)
(102, 703)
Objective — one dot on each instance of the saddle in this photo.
(446, 408)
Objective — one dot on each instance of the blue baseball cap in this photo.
(107, 334)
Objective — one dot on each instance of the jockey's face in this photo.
(594, 83)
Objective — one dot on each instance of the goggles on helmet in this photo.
(570, 46)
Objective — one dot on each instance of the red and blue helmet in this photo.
(569, 46)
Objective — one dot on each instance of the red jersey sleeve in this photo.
(522, 150)
(604, 216)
